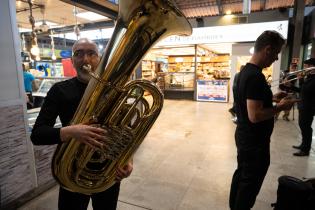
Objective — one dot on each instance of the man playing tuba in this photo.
(62, 100)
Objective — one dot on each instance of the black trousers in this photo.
(305, 124)
(248, 178)
(106, 200)
(30, 102)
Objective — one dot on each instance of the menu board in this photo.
(212, 90)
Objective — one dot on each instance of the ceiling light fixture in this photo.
(35, 50)
(53, 55)
(91, 16)
(49, 23)
(23, 43)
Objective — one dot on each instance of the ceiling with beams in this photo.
(52, 11)
(202, 8)
(62, 13)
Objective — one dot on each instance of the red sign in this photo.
(68, 69)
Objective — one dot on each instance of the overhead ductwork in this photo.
(246, 7)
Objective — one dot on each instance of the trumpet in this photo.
(302, 72)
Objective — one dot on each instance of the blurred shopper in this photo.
(255, 120)
(233, 109)
(29, 83)
(62, 100)
(307, 110)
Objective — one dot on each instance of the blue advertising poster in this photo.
(212, 90)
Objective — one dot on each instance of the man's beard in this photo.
(83, 75)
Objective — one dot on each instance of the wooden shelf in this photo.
(148, 68)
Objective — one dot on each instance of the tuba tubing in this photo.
(117, 105)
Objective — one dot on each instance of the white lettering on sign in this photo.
(233, 33)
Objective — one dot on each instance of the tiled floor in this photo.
(187, 160)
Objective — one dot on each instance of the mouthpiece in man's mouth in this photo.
(87, 67)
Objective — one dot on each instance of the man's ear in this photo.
(268, 49)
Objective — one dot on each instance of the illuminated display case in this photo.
(179, 81)
(46, 83)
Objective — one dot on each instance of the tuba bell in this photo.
(114, 103)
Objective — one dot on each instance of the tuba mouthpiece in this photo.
(87, 67)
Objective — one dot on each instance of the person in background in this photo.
(29, 83)
(306, 110)
(62, 100)
(255, 120)
(290, 88)
(233, 109)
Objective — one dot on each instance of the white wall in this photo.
(17, 169)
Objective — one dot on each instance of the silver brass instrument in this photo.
(302, 72)
(113, 103)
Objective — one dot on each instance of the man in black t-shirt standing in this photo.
(62, 100)
(255, 119)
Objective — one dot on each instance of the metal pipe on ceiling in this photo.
(246, 7)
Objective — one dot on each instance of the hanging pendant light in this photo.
(53, 55)
(34, 49)
(76, 28)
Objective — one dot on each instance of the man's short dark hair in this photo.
(310, 61)
(272, 38)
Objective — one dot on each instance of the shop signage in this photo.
(47, 53)
(212, 90)
(233, 33)
(65, 53)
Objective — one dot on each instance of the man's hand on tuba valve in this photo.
(91, 135)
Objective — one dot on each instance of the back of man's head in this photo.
(310, 62)
(271, 38)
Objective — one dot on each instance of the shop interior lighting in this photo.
(207, 59)
(179, 60)
(198, 59)
(91, 16)
(228, 12)
(19, 3)
(35, 50)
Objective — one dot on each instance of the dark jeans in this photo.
(30, 102)
(247, 179)
(305, 123)
(106, 200)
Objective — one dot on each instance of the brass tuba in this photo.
(118, 106)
